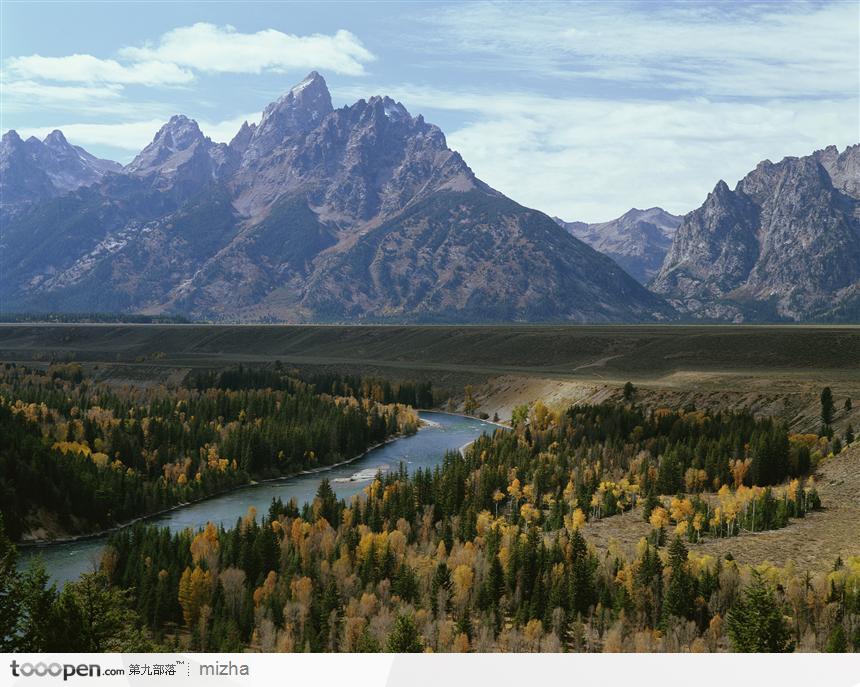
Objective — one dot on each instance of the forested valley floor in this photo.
(506, 546)
(78, 456)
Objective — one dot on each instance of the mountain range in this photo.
(784, 245)
(33, 171)
(364, 214)
(638, 240)
(360, 213)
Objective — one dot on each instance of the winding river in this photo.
(65, 561)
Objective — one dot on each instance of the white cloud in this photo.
(209, 48)
(29, 91)
(90, 69)
(127, 136)
(133, 136)
(594, 160)
(183, 51)
(20, 97)
(224, 130)
(86, 83)
(766, 50)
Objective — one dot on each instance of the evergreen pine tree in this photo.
(328, 505)
(680, 592)
(10, 601)
(404, 637)
(756, 623)
(38, 616)
(97, 617)
(464, 623)
(441, 583)
(651, 502)
(367, 643)
(826, 406)
(629, 390)
(837, 643)
(582, 588)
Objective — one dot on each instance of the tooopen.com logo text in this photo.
(64, 670)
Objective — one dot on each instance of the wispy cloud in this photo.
(127, 136)
(83, 83)
(29, 92)
(130, 137)
(223, 131)
(725, 49)
(89, 69)
(210, 48)
(99, 100)
(593, 160)
(182, 52)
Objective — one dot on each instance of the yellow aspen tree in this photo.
(194, 591)
(698, 521)
(265, 590)
(205, 545)
(533, 633)
(483, 523)
(739, 469)
(569, 492)
(659, 518)
(461, 643)
(529, 493)
(497, 497)
(462, 578)
(529, 513)
(367, 605)
(575, 520)
(540, 414)
(595, 503)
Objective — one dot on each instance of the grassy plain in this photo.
(776, 370)
(812, 543)
(589, 352)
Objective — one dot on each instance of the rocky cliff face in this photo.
(298, 111)
(638, 240)
(354, 164)
(783, 245)
(33, 171)
(360, 213)
(181, 159)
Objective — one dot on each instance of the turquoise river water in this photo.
(65, 561)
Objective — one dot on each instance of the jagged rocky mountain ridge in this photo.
(784, 245)
(360, 213)
(32, 171)
(363, 213)
(638, 240)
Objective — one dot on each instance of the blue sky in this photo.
(582, 110)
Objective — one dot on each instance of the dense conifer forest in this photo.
(88, 456)
(486, 552)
